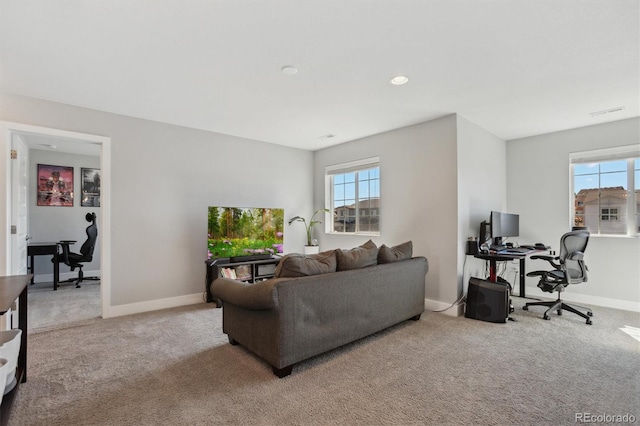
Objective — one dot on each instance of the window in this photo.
(353, 195)
(605, 190)
(609, 214)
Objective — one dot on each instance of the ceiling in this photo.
(514, 67)
(60, 144)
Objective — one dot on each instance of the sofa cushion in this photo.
(359, 257)
(300, 265)
(393, 254)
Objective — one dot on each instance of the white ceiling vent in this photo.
(606, 111)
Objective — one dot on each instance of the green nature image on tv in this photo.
(237, 231)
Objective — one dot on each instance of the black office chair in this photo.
(569, 269)
(76, 260)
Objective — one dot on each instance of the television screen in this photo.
(240, 231)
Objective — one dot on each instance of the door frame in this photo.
(7, 129)
(19, 169)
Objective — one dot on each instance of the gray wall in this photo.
(482, 187)
(61, 223)
(163, 178)
(538, 188)
(438, 180)
(418, 192)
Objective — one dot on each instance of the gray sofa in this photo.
(285, 320)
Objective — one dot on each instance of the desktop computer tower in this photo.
(487, 301)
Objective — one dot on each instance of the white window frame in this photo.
(629, 153)
(336, 169)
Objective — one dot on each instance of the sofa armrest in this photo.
(257, 297)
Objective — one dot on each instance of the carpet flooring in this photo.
(175, 367)
(67, 305)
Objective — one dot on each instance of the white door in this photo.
(19, 213)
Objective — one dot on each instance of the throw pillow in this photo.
(300, 265)
(359, 257)
(393, 254)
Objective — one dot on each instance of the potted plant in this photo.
(310, 247)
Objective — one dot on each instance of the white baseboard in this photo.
(444, 308)
(625, 305)
(48, 278)
(132, 308)
(153, 305)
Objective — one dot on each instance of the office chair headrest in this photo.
(90, 217)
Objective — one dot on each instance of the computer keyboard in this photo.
(516, 250)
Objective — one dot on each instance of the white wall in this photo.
(418, 196)
(482, 187)
(538, 188)
(61, 223)
(163, 179)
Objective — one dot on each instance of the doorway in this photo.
(40, 139)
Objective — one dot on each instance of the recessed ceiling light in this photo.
(327, 136)
(289, 70)
(46, 145)
(606, 111)
(399, 79)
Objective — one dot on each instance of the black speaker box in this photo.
(472, 247)
(487, 301)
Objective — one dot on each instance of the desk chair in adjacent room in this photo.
(569, 268)
(76, 260)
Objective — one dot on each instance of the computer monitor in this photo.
(504, 225)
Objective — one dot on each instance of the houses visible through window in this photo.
(353, 196)
(606, 195)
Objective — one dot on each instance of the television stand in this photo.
(239, 259)
(241, 269)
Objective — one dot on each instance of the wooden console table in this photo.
(12, 288)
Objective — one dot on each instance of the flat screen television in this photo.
(242, 233)
(504, 225)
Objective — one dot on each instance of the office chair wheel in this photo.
(590, 314)
(589, 321)
(525, 308)
(559, 311)
(546, 317)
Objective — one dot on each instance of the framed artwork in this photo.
(90, 179)
(55, 185)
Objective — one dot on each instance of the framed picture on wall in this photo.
(90, 187)
(55, 185)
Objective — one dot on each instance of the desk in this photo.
(493, 258)
(12, 288)
(40, 249)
